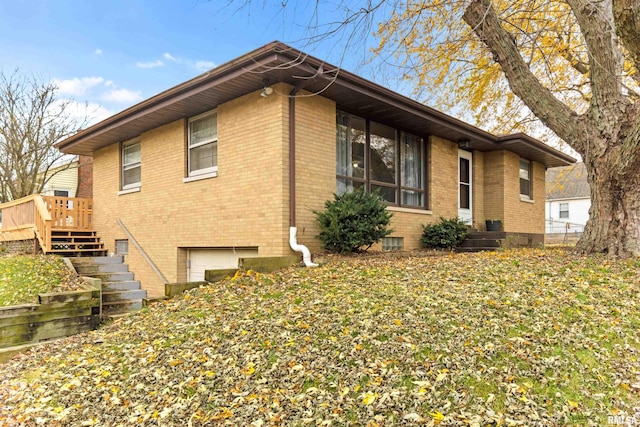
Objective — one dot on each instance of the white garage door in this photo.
(215, 259)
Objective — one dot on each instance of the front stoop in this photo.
(478, 241)
(121, 293)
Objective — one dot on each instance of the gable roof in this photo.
(277, 62)
(569, 182)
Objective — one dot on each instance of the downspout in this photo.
(293, 230)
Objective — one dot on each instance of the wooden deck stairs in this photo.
(71, 243)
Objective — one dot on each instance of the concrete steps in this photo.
(478, 241)
(493, 240)
(121, 293)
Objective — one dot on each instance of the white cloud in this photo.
(170, 57)
(122, 96)
(98, 52)
(151, 64)
(84, 114)
(77, 86)
(204, 65)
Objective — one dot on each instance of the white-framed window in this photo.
(122, 246)
(131, 165)
(525, 179)
(564, 210)
(203, 144)
(380, 158)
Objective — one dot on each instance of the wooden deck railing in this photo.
(40, 215)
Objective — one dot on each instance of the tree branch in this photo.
(606, 61)
(627, 19)
(482, 18)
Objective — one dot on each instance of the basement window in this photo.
(392, 243)
(122, 247)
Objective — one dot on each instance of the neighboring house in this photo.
(61, 180)
(73, 178)
(234, 162)
(568, 199)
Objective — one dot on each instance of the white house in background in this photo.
(568, 199)
(62, 179)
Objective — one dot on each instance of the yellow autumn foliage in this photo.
(442, 56)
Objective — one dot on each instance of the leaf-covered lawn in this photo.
(530, 337)
(23, 277)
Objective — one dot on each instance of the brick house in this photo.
(229, 163)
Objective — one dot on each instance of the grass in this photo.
(518, 337)
(23, 277)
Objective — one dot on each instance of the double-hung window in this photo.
(131, 165)
(525, 179)
(203, 144)
(380, 158)
(564, 210)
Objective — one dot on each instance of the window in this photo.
(122, 247)
(392, 243)
(61, 193)
(525, 179)
(203, 144)
(380, 158)
(131, 165)
(564, 210)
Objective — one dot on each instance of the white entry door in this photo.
(465, 187)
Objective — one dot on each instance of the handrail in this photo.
(18, 201)
(43, 220)
(142, 251)
(70, 213)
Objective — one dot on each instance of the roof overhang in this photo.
(277, 62)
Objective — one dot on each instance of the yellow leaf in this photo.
(397, 322)
(437, 416)
(572, 403)
(369, 398)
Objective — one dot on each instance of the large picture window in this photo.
(380, 158)
(131, 165)
(203, 144)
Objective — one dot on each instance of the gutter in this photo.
(293, 230)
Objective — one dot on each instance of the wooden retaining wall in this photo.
(56, 315)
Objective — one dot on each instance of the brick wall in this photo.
(85, 177)
(315, 163)
(502, 193)
(243, 206)
(443, 178)
(493, 191)
(18, 246)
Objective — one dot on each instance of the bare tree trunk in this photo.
(614, 216)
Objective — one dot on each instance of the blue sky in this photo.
(113, 54)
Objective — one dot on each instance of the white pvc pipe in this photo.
(306, 254)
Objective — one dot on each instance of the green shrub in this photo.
(446, 234)
(352, 222)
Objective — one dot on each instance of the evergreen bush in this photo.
(446, 234)
(353, 222)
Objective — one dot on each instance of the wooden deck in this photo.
(61, 225)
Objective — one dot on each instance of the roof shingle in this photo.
(567, 182)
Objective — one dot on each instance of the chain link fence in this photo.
(562, 232)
